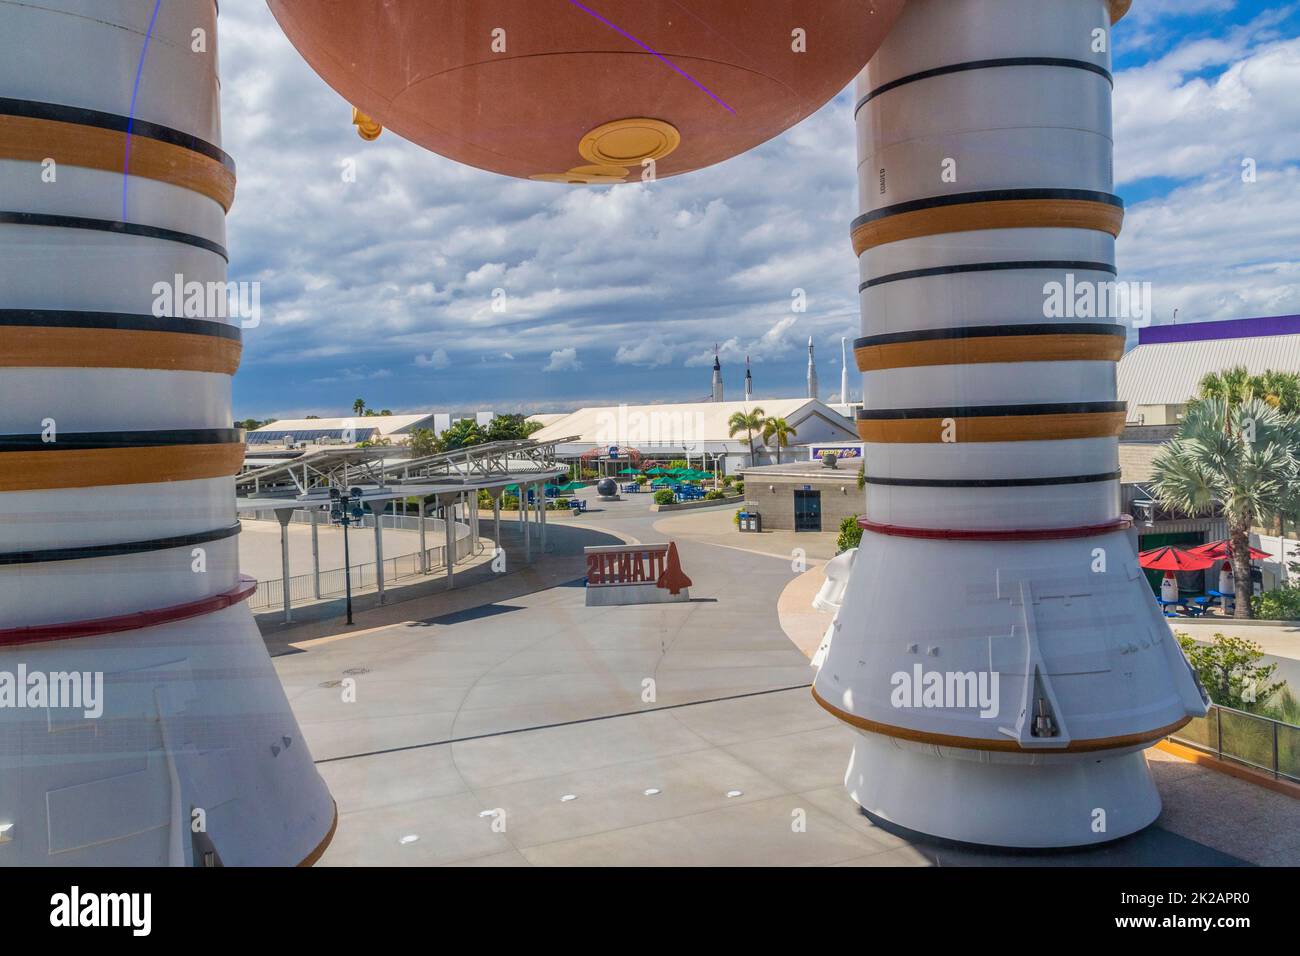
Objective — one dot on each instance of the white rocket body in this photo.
(196, 751)
(1169, 587)
(997, 647)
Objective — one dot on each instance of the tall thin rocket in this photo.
(812, 371)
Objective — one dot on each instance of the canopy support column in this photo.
(424, 548)
(378, 515)
(447, 501)
(315, 552)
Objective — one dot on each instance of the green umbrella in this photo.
(629, 471)
(656, 471)
(572, 486)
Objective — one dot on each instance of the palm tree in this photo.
(358, 406)
(423, 442)
(1232, 386)
(1236, 385)
(783, 431)
(1244, 457)
(747, 422)
(1281, 390)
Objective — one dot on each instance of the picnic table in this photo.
(1225, 598)
(1189, 607)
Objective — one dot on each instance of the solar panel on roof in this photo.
(311, 435)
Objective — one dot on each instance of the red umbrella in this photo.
(1173, 559)
(1223, 549)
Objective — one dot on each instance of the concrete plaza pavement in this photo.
(510, 725)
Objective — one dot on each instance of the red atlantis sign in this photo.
(652, 565)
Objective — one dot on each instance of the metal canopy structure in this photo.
(452, 479)
(480, 465)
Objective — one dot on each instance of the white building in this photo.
(1165, 369)
(697, 431)
(354, 429)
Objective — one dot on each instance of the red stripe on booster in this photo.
(1122, 523)
(99, 627)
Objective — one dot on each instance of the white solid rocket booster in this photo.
(998, 647)
(117, 520)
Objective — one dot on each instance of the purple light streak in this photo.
(657, 55)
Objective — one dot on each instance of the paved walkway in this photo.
(508, 724)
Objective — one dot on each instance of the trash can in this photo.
(751, 521)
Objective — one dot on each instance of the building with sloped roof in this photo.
(354, 429)
(1165, 369)
(605, 436)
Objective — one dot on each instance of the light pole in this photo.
(345, 509)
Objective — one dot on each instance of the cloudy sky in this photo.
(382, 288)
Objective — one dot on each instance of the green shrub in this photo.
(850, 534)
(1280, 605)
(642, 479)
(664, 497)
(559, 504)
(509, 503)
(714, 495)
(728, 479)
(484, 499)
(740, 487)
(1284, 707)
(735, 519)
(1230, 669)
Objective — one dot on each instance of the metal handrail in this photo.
(1257, 741)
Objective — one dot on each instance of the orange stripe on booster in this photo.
(1005, 745)
(53, 347)
(993, 214)
(34, 140)
(992, 428)
(1010, 348)
(96, 467)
